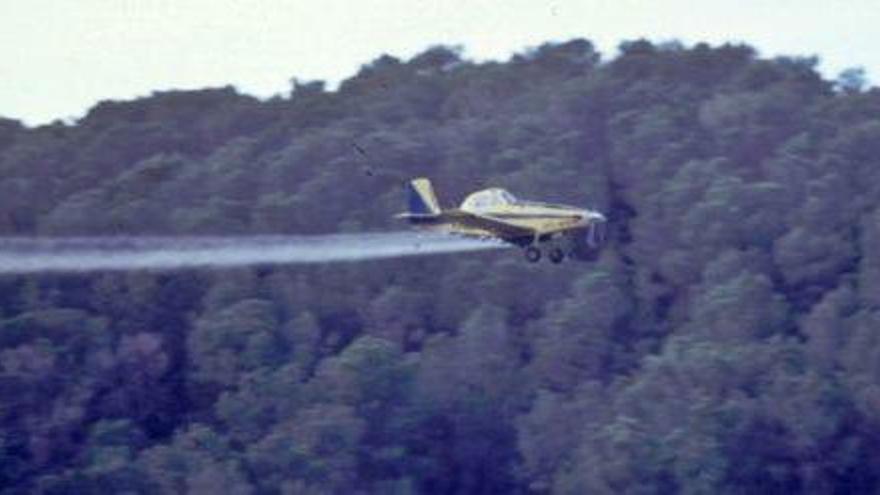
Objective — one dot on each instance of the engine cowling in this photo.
(586, 244)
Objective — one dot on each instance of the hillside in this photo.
(727, 340)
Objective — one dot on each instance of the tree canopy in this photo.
(726, 341)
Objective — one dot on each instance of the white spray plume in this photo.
(84, 254)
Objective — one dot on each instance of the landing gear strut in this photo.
(533, 254)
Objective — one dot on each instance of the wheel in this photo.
(533, 254)
(556, 255)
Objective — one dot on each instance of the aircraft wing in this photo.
(505, 231)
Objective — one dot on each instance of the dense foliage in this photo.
(727, 341)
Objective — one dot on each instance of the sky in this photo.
(60, 57)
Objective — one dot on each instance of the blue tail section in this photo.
(416, 203)
(422, 205)
(421, 198)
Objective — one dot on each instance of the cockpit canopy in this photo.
(487, 199)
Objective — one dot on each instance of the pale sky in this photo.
(60, 57)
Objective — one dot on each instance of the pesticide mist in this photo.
(82, 254)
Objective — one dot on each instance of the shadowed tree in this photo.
(724, 342)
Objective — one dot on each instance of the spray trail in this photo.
(83, 254)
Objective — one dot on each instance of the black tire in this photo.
(556, 255)
(533, 254)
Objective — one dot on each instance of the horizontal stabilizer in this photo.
(416, 216)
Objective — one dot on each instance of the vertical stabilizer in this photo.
(421, 198)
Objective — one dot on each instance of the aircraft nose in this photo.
(589, 216)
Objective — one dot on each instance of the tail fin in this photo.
(421, 198)
(423, 208)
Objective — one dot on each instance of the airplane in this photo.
(562, 231)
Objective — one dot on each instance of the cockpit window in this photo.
(487, 199)
(506, 197)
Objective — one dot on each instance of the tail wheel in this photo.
(556, 255)
(533, 254)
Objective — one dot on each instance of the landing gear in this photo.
(533, 254)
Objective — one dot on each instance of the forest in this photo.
(725, 341)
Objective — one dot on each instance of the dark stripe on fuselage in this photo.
(424, 220)
(549, 216)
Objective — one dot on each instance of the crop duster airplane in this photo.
(537, 228)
